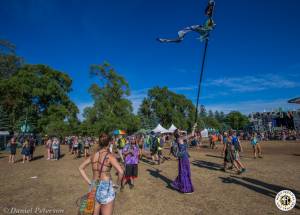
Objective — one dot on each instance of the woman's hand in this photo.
(82, 170)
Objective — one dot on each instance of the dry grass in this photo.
(59, 183)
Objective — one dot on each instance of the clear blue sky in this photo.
(253, 59)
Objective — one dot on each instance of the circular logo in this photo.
(285, 200)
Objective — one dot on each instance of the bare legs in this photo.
(49, 154)
(25, 158)
(106, 209)
(11, 159)
(86, 152)
(257, 151)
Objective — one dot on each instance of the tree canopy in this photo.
(166, 107)
(112, 109)
(38, 95)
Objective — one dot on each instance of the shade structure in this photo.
(160, 129)
(119, 132)
(294, 100)
(172, 128)
(204, 133)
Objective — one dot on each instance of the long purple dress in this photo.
(183, 182)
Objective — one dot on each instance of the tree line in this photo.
(37, 97)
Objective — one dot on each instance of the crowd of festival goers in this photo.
(124, 154)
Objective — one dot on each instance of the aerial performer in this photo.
(204, 32)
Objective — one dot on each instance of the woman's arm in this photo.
(117, 167)
(82, 170)
(193, 132)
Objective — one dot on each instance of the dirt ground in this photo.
(58, 184)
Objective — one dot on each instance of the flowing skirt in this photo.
(183, 182)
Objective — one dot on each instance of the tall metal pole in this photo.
(200, 79)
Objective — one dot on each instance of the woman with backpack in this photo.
(183, 182)
(237, 148)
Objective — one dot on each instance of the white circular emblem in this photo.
(285, 200)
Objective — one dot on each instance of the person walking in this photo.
(237, 148)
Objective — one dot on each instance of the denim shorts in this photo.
(105, 192)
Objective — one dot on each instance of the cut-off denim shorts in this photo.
(105, 192)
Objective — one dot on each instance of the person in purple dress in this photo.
(131, 157)
(183, 182)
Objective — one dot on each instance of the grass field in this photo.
(58, 184)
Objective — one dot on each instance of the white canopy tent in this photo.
(204, 133)
(160, 129)
(172, 128)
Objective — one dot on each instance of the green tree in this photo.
(166, 107)
(210, 114)
(4, 120)
(221, 117)
(39, 94)
(236, 120)
(9, 61)
(111, 109)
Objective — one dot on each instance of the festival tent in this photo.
(172, 128)
(160, 129)
(204, 133)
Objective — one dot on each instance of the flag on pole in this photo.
(203, 30)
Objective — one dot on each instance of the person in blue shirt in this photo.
(237, 147)
(255, 145)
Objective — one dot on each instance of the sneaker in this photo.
(260, 156)
(243, 170)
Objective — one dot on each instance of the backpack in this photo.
(154, 144)
(236, 143)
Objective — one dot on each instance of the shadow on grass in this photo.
(207, 165)
(61, 156)
(214, 156)
(37, 157)
(157, 174)
(147, 161)
(261, 187)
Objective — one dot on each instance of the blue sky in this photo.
(253, 58)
